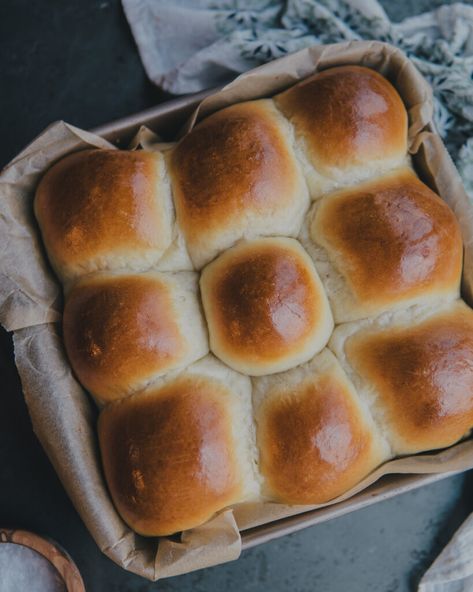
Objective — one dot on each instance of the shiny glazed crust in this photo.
(265, 306)
(347, 116)
(184, 433)
(234, 176)
(392, 240)
(123, 331)
(315, 439)
(105, 209)
(152, 449)
(422, 373)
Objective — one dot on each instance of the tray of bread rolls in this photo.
(257, 326)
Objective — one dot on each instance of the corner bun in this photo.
(347, 118)
(420, 372)
(122, 331)
(386, 243)
(105, 209)
(265, 306)
(316, 441)
(170, 454)
(236, 175)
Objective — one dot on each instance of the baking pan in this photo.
(62, 415)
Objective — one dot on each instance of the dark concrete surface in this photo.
(76, 60)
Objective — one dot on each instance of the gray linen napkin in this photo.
(190, 45)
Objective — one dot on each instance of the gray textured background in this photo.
(76, 60)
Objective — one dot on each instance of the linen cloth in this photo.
(190, 45)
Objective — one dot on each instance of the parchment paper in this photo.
(62, 414)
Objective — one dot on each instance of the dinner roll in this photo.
(415, 370)
(350, 124)
(106, 209)
(384, 244)
(122, 331)
(176, 453)
(235, 175)
(265, 306)
(316, 439)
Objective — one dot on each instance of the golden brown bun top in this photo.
(314, 442)
(234, 164)
(349, 115)
(97, 203)
(391, 238)
(424, 376)
(168, 455)
(262, 299)
(120, 331)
